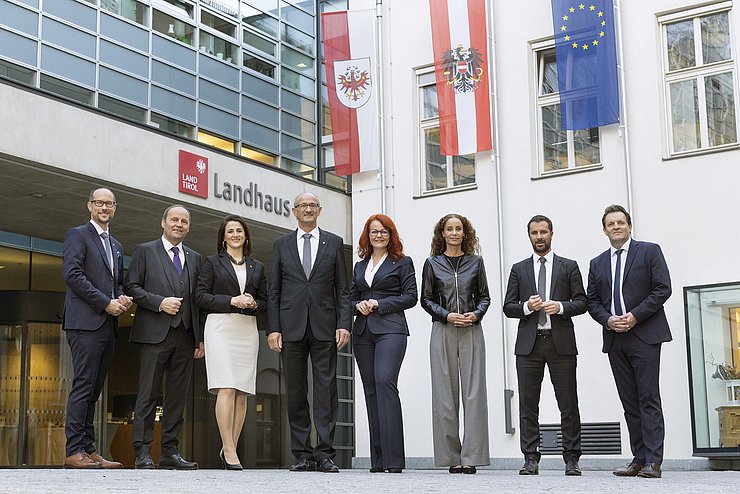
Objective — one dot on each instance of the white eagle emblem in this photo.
(201, 166)
(462, 68)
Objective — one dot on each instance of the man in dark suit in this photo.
(161, 279)
(545, 336)
(627, 287)
(309, 313)
(92, 262)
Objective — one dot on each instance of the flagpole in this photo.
(379, 86)
(623, 114)
(508, 393)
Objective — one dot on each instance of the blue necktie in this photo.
(617, 296)
(176, 259)
(307, 254)
(108, 253)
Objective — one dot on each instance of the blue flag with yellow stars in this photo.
(586, 54)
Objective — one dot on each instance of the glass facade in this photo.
(713, 335)
(242, 71)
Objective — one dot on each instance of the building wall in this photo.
(685, 204)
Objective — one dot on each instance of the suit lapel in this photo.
(250, 272)
(98, 243)
(631, 253)
(385, 269)
(360, 272)
(164, 258)
(226, 263)
(529, 268)
(556, 265)
(293, 249)
(323, 238)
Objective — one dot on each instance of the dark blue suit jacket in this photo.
(646, 287)
(566, 286)
(394, 287)
(90, 283)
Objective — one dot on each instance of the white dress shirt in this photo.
(314, 244)
(625, 248)
(548, 284)
(370, 270)
(168, 247)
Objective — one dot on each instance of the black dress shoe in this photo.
(327, 466)
(144, 462)
(572, 468)
(304, 465)
(631, 470)
(650, 471)
(395, 470)
(456, 469)
(176, 462)
(469, 469)
(531, 467)
(377, 469)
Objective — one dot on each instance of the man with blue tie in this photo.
(161, 279)
(92, 262)
(627, 287)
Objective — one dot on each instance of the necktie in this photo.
(541, 289)
(617, 296)
(307, 254)
(176, 259)
(108, 253)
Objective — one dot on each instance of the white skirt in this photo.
(232, 344)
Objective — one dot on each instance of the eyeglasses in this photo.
(379, 233)
(306, 205)
(100, 204)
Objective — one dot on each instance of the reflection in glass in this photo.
(435, 163)
(685, 115)
(300, 19)
(720, 109)
(259, 43)
(49, 381)
(715, 38)
(300, 169)
(430, 104)
(297, 82)
(130, 9)
(259, 20)
(220, 48)
(174, 28)
(297, 38)
(172, 126)
(258, 65)
(554, 139)
(10, 393)
(549, 73)
(218, 24)
(680, 41)
(297, 61)
(713, 326)
(586, 144)
(14, 269)
(463, 169)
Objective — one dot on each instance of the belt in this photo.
(545, 333)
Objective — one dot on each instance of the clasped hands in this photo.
(118, 306)
(244, 301)
(462, 320)
(365, 307)
(550, 307)
(622, 324)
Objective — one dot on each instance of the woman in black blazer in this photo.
(231, 289)
(383, 286)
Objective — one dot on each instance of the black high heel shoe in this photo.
(229, 466)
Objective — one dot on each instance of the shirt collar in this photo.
(168, 246)
(98, 228)
(314, 233)
(548, 257)
(625, 248)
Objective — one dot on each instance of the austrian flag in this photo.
(349, 55)
(460, 45)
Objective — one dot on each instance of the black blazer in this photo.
(149, 281)
(394, 287)
(566, 286)
(90, 282)
(217, 284)
(646, 287)
(323, 298)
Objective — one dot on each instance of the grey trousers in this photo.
(458, 362)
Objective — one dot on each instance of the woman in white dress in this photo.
(231, 289)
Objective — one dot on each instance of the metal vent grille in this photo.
(597, 438)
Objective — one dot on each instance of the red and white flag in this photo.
(460, 45)
(350, 61)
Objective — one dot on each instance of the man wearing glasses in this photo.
(92, 262)
(309, 314)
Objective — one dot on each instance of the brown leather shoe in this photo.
(80, 460)
(630, 470)
(650, 471)
(103, 462)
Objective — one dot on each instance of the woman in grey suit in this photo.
(454, 291)
(231, 289)
(383, 286)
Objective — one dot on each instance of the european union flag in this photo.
(585, 49)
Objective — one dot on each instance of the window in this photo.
(130, 9)
(258, 65)
(438, 172)
(559, 149)
(222, 49)
(699, 74)
(217, 23)
(174, 28)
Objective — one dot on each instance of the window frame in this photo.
(423, 78)
(539, 51)
(697, 74)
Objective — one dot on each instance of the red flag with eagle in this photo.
(349, 56)
(460, 44)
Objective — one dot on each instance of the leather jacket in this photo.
(443, 290)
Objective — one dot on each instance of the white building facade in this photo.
(672, 162)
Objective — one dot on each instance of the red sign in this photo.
(193, 176)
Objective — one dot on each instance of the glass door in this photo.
(10, 392)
